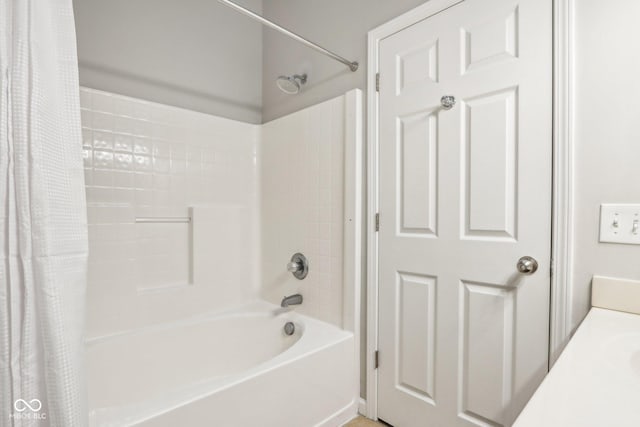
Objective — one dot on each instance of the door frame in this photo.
(562, 250)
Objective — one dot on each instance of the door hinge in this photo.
(377, 82)
(551, 265)
(376, 359)
(377, 222)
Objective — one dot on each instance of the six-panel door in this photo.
(464, 193)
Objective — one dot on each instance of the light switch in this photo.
(620, 224)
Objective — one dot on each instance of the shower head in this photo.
(291, 84)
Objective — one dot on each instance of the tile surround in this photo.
(150, 160)
(265, 191)
(302, 192)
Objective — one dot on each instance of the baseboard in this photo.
(362, 407)
(341, 417)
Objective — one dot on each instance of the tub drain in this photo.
(289, 328)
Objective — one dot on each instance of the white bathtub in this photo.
(232, 369)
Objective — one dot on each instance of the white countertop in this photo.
(596, 380)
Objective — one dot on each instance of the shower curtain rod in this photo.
(353, 66)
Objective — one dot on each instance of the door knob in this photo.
(527, 265)
(448, 102)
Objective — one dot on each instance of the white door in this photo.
(464, 193)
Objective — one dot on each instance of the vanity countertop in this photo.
(596, 380)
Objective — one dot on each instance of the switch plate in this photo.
(620, 223)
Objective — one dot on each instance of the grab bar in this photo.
(154, 220)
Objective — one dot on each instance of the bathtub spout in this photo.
(291, 300)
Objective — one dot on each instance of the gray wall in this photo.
(198, 54)
(195, 54)
(338, 25)
(607, 136)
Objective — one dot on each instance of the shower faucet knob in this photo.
(298, 266)
(293, 266)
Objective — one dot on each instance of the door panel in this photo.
(489, 42)
(416, 330)
(486, 354)
(489, 165)
(463, 194)
(418, 66)
(418, 180)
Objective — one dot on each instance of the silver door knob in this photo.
(527, 265)
(448, 102)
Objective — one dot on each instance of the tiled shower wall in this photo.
(256, 194)
(149, 160)
(302, 203)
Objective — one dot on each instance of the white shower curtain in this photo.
(43, 239)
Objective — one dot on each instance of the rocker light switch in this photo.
(620, 224)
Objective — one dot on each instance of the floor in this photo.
(363, 422)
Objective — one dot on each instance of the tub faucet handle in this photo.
(293, 266)
(298, 266)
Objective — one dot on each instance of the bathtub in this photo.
(231, 369)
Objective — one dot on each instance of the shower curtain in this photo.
(43, 238)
